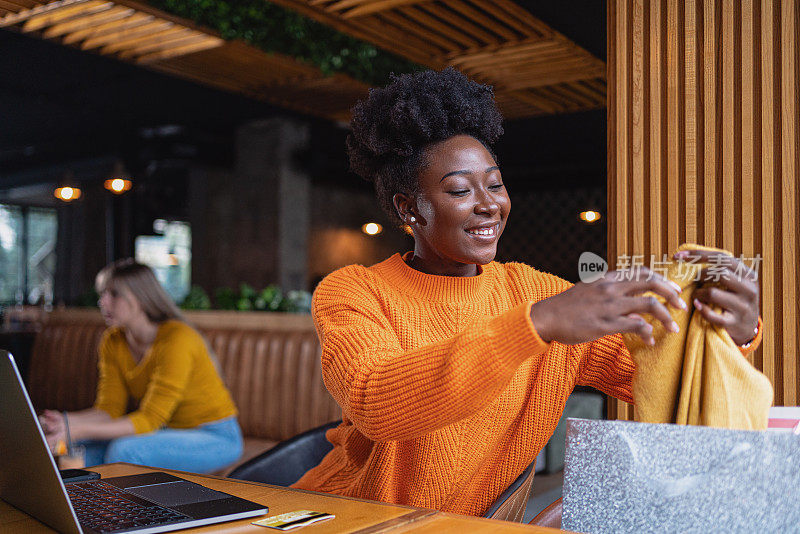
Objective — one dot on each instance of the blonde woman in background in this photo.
(183, 416)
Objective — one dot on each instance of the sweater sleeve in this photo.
(603, 364)
(112, 394)
(394, 394)
(606, 364)
(165, 389)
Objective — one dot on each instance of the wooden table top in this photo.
(352, 515)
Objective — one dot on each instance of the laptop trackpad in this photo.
(177, 493)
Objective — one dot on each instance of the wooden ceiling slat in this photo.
(582, 87)
(115, 13)
(44, 20)
(28, 12)
(240, 61)
(462, 23)
(504, 30)
(574, 94)
(408, 45)
(166, 39)
(556, 102)
(549, 78)
(497, 17)
(531, 46)
(204, 43)
(12, 7)
(378, 6)
(371, 29)
(15, 5)
(423, 18)
(533, 100)
(444, 44)
(340, 5)
(538, 66)
(516, 59)
(114, 42)
(112, 27)
(515, 12)
(569, 100)
(598, 84)
(494, 50)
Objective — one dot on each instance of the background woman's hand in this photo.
(612, 304)
(733, 288)
(53, 426)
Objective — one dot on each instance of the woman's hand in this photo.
(612, 304)
(733, 289)
(54, 428)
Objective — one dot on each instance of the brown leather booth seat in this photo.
(270, 363)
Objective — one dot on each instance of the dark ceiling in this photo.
(59, 105)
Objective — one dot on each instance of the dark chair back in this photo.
(510, 505)
(286, 462)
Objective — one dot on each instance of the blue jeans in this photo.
(202, 449)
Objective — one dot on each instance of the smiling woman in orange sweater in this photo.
(452, 370)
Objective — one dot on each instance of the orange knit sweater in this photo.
(447, 391)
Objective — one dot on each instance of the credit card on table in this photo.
(292, 520)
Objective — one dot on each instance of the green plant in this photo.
(88, 299)
(225, 298)
(275, 29)
(196, 299)
(271, 298)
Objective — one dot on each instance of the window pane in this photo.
(11, 276)
(42, 232)
(169, 255)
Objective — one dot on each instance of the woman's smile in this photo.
(485, 233)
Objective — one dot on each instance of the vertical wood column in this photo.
(704, 146)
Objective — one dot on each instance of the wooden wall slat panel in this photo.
(674, 133)
(638, 102)
(789, 149)
(710, 71)
(692, 119)
(611, 154)
(704, 146)
(767, 159)
(748, 80)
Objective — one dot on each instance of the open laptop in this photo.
(151, 502)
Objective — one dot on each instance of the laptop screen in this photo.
(29, 478)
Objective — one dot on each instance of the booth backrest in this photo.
(270, 363)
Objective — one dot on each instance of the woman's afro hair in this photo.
(394, 125)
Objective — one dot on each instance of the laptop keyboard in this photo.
(106, 508)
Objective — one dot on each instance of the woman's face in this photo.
(118, 306)
(461, 208)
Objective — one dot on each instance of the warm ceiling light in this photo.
(117, 185)
(372, 228)
(589, 216)
(67, 194)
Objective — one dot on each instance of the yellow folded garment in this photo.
(697, 376)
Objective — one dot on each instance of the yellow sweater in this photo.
(175, 384)
(698, 376)
(447, 391)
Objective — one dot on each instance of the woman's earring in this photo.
(412, 219)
